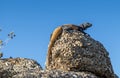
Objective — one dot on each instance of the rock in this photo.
(12, 66)
(75, 51)
(55, 74)
(70, 74)
(74, 55)
(28, 68)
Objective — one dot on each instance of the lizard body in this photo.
(58, 31)
(54, 36)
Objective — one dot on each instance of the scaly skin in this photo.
(70, 27)
(86, 25)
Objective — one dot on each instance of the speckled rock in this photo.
(74, 55)
(28, 68)
(75, 51)
(70, 74)
(55, 74)
(13, 66)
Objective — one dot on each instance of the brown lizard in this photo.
(57, 32)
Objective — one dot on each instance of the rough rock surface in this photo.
(13, 66)
(75, 51)
(74, 55)
(28, 68)
(55, 74)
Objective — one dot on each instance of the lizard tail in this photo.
(54, 36)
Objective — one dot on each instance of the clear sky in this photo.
(34, 20)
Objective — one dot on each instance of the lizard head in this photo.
(86, 25)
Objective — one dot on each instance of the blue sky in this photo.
(34, 20)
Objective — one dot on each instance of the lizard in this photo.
(58, 31)
(53, 37)
(81, 28)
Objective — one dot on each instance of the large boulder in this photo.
(76, 51)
